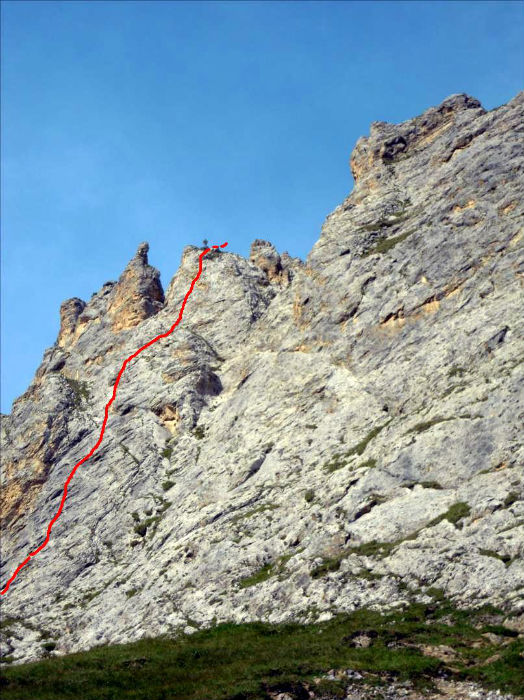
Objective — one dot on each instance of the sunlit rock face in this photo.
(364, 406)
(138, 293)
(70, 310)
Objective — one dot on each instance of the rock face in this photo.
(138, 294)
(278, 269)
(314, 437)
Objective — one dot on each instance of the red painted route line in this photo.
(108, 404)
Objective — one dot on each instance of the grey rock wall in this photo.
(314, 437)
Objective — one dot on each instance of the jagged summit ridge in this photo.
(137, 295)
(388, 143)
(351, 425)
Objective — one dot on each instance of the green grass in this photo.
(150, 523)
(459, 388)
(453, 515)
(369, 575)
(426, 425)
(495, 555)
(167, 484)
(370, 463)
(80, 391)
(167, 452)
(258, 577)
(436, 593)
(392, 219)
(7, 622)
(338, 460)
(326, 566)
(456, 371)
(381, 550)
(309, 495)
(142, 527)
(252, 661)
(375, 549)
(90, 595)
(359, 448)
(254, 511)
(502, 673)
(267, 571)
(431, 485)
(383, 244)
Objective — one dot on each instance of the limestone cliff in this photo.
(313, 437)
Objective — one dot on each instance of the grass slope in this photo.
(245, 662)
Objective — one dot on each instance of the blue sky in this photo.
(172, 121)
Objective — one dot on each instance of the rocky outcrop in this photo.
(314, 437)
(69, 313)
(138, 293)
(389, 143)
(277, 269)
(232, 295)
